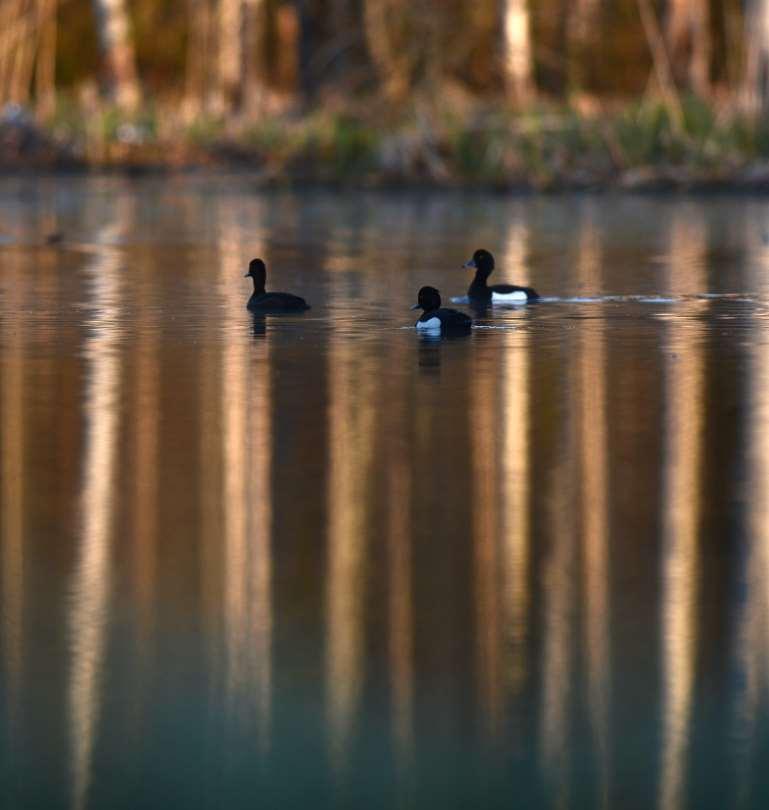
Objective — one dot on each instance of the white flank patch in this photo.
(517, 297)
(433, 324)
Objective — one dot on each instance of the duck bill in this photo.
(416, 306)
(246, 275)
(470, 265)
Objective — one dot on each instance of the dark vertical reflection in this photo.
(752, 626)
(684, 420)
(400, 608)
(593, 419)
(753, 629)
(558, 625)
(92, 578)
(259, 503)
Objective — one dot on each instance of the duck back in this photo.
(444, 320)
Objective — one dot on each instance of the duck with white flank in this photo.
(481, 293)
(436, 318)
(261, 301)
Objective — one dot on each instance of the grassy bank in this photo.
(641, 145)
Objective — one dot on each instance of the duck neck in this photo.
(258, 288)
(479, 282)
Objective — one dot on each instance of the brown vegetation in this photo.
(494, 91)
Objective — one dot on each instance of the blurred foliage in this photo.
(463, 39)
(314, 104)
(543, 146)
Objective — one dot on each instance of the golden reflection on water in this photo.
(501, 512)
(351, 421)
(209, 495)
(515, 518)
(145, 411)
(684, 423)
(539, 608)
(483, 417)
(92, 579)
(12, 498)
(233, 383)
(247, 500)
(594, 510)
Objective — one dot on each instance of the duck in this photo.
(479, 291)
(435, 318)
(261, 301)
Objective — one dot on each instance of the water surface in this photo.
(320, 561)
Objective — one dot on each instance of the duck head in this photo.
(428, 299)
(482, 261)
(257, 270)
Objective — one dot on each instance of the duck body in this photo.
(262, 301)
(436, 318)
(276, 302)
(480, 292)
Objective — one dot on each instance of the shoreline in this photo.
(637, 149)
(754, 179)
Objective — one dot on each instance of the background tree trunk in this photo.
(389, 70)
(687, 35)
(405, 41)
(118, 51)
(232, 29)
(309, 37)
(254, 87)
(582, 23)
(45, 70)
(516, 49)
(197, 68)
(757, 55)
(23, 58)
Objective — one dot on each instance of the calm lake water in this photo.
(318, 561)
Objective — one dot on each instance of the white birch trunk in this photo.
(117, 48)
